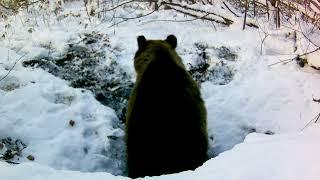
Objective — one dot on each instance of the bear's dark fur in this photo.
(166, 128)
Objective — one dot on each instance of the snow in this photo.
(286, 156)
(37, 107)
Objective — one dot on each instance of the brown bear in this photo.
(166, 126)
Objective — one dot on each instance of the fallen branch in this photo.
(168, 20)
(11, 162)
(225, 21)
(316, 68)
(203, 17)
(291, 59)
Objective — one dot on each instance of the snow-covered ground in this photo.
(270, 103)
(279, 157)
(37, 108)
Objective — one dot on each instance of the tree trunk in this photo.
(254, 8)
(245, 14)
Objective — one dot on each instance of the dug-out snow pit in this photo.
(86, 65)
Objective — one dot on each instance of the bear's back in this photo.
(166, 122)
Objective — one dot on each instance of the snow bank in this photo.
(264, 157)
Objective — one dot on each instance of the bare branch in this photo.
(1, 5)
(118, 6)
(12, 68)
(126, 19)
(230, 9)
(285, 61)
(291, 59)
(306, 35)
(315, 119)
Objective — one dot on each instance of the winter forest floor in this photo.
(65, 80)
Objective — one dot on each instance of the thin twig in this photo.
(306, 35)
(105, 10)
(310, 52)
(12, 68)
(282, 61)
(315, 119)
(265, 34)
(126, 19)
(264, 39)
(230, 10)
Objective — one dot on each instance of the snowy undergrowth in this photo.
(90, 63)
(242, 94)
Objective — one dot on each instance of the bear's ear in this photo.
(141, 41)
(172, 40)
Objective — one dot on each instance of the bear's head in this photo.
(171, 40)
(150, 50)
